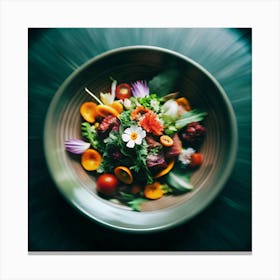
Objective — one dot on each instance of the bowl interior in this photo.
(128, 65)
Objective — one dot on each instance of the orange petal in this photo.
(88, 111)
(105, 110)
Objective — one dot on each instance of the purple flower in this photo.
(76, 146)
(140, 89)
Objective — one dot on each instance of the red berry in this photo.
(194, 133)
(190, 130)
(196, 160)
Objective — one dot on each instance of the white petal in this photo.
(143, 134)
(130, 144)
(133, 128)
(106, 98)
(138, 140)
(127, 103)
(113, 90)
(138, 130)
(125, 137)
(128, 130)
(190, 151)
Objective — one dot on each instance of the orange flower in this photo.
(137, 113)
(151, 123)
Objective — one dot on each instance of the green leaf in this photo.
(90, 134)
(136, 203)
(189, 117)
(179, 179)
(151, 101)
(127, 196)
(125, 119)
(166, 189)
(170, 130)
(165, 82)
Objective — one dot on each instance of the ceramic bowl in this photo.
(130, 64)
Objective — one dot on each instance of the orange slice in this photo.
(166, 170)
(91, 159)
(123, 174)
(105, 110)
(166, 141)
(88, 111)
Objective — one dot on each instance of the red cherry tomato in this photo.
(107, 184)
(123, 91)
(196, 160)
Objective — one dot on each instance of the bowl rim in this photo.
(134, 221)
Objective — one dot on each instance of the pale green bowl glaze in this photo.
(130, 64)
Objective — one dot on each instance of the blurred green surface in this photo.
(53, 55)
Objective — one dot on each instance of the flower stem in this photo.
(92, 95)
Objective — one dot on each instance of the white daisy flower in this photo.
(133, 135)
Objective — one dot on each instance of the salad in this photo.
(140, 144)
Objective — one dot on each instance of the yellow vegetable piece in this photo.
(88, 111)
(105, 110)
(117, 106)
(91, 159)
(166, 170)
(123, 174)
(153, 191)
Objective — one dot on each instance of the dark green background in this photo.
(53, 54)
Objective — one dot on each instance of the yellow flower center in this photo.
(133, 136)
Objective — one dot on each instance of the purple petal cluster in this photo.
(140, 89)
(76, 146)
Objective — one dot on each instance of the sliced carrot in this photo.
(123, 174)
(105, 110)
(117, 106)
(153, 191)
(91, 159)
(88, 111)
(184, 103)
(166, 170)
(166, 140)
